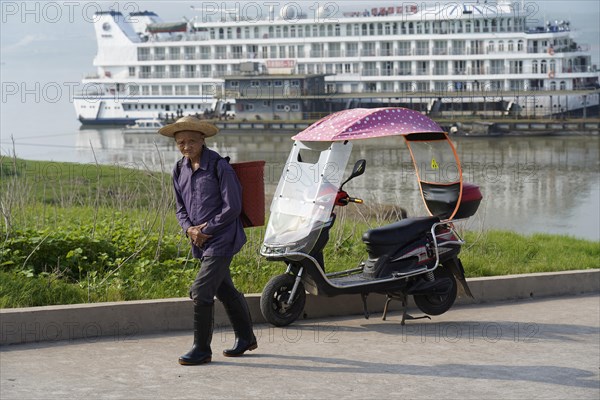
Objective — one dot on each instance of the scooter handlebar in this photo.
(343, 199)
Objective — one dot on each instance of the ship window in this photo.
(315, 31)
(520, 45)
(131, 71)
(248, 107)
(511, 46)
(501, 46)
(490, 47)
(563, 85)
(293, 31)
(221, 33)
(256, 32)
(419, 28)
(307, 31)
(337, 30)
(159, 53)
(329, 30)
(247, 32)
(348, 30)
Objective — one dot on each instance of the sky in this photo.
(47, 47)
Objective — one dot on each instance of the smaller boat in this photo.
(151, 125)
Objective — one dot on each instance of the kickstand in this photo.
(364, 299)
(404, 300)
(385, 308)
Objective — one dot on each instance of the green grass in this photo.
(69, 239)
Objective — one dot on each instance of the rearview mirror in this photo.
(358, 170)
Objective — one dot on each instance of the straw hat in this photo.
(189, 123)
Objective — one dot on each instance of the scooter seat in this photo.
(399, 233)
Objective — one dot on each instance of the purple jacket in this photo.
(210, 194)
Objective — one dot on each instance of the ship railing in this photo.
(368, 52)
(403, 52)
(578, 69)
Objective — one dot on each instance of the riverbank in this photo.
(524, 127)
(81, 234)
(459, 125)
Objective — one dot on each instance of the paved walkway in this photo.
(519, 350)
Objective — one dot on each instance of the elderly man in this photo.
(209, 204)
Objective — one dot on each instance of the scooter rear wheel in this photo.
(274, 300)
(435, 304)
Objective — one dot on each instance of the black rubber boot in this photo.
(239, 315)
(203, 332)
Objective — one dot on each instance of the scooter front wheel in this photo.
(275, 303)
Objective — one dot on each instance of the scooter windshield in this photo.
(305, 195)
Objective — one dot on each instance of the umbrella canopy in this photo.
(367, 123)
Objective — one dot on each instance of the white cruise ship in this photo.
(434, 58)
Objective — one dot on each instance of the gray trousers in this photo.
(214, 279)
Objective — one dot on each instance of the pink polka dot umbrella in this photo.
(367, 123)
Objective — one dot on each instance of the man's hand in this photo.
(197, 237)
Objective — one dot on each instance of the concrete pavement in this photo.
(547, 348)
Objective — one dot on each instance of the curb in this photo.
(133, 318)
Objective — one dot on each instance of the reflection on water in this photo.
(530, 184)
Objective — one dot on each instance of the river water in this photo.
(530, 184)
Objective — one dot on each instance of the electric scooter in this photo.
(416, 257)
